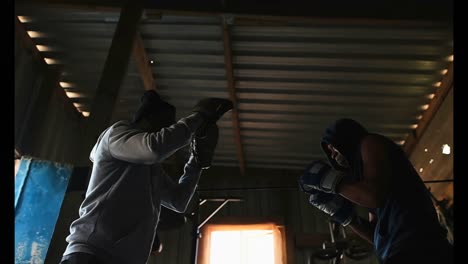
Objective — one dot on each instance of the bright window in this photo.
(242, 244)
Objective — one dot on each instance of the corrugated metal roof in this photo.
(291, 80)
(189, 65)
(79, 40)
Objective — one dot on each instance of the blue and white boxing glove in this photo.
(319, 175)
(340, 209)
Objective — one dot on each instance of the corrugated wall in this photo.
(287, 204)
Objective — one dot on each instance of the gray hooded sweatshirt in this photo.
(119, 216)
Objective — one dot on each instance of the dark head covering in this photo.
(154, 108)
(345, 135)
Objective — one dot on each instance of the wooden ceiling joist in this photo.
(445, 85)
(143, 63)
(232, 95)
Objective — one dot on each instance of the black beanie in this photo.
(151, 103)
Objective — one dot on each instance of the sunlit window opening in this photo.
(235, 247)
(243, 244)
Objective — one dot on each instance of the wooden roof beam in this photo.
(232, 95)
(416, 134)
(143, 63)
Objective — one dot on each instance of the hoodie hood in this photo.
(345, 135)
(152, 106)
(94, 152)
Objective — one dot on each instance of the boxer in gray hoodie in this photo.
(120, 213)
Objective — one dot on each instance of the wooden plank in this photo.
(432, 165)
(440, 94)
(114, 71)
(143, 64)
(232, 95)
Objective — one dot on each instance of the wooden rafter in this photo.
(232, 95)
(142, 62)
(439, 96)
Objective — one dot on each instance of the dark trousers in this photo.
(80, 258)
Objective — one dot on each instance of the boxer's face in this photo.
(338, 157)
